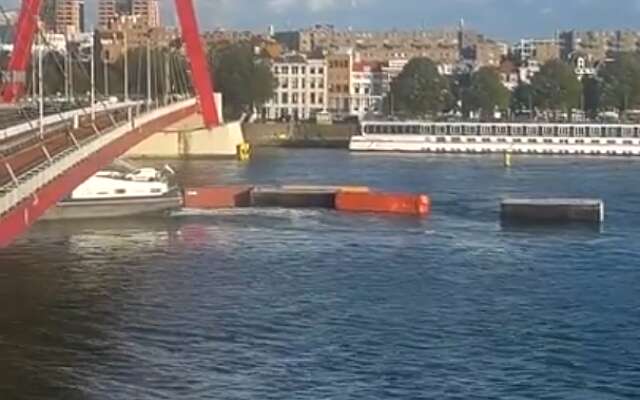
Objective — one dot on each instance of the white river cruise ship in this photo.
(524, 138)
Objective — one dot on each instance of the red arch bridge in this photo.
(39, 167)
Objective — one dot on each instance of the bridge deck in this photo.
(43, 179)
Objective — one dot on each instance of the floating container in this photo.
(552, 210)
(395, 203)
(214, 197)
(334, 189)
(353, 189)
(294, 197)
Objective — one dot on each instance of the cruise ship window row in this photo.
(524, 140)
(484, 130)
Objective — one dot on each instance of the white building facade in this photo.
(301, 90)
(367, 89)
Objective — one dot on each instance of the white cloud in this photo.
(281, 6)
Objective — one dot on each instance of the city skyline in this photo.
(543, 17)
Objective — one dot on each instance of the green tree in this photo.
(458, 84)
(522, 99)
(245, 80)
(420, 90)
(556, 87)
(620, 82)
(591, 88)
(486, 93)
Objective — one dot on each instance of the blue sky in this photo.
(508, 19)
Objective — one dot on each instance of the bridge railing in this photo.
(29, 126)
(26, 185)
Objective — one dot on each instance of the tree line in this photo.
(555, 91)
(244, 78)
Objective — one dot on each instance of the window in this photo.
(121, 191)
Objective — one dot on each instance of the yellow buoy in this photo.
(243, 152)
(507, 159)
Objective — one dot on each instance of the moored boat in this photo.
(112, 194)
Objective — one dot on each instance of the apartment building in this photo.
(488, 53)
(367, 88)
(148, 11)
(540, 50)
(442, 46)
(137, 33)
(339, 67)
(595, 45)
(301, 91)
(69, 17)
(264, 45)
(107, 12)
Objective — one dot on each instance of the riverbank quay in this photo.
(299, 135)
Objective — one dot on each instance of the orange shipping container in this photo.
(396, 203)
(217, 197)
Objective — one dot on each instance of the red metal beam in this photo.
(22, 217)
(200, 74)
(14, 86)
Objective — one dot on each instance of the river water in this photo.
(286, 304)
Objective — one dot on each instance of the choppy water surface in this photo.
(280, 304)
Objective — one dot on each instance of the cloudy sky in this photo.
(508, 19)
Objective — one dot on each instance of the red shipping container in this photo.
(395, 203)
(213, 197)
